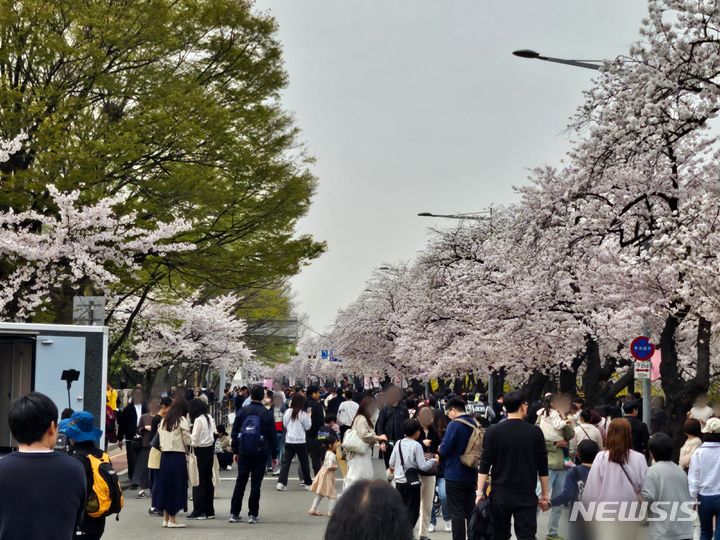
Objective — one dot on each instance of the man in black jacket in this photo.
(314, 407)
(390, 421)
(640, 432)
(252, 462)
(128, 423)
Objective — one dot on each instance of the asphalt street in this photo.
(283, 515)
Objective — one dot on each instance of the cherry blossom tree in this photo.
(189, 335)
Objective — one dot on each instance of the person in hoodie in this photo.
(574, 485)
(704, 478)
(666, 483)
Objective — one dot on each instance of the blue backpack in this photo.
(252, 442)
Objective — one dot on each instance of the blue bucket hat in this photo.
(81, 428)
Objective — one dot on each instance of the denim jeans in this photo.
(708, 509)
(440, 487)
(557, 483)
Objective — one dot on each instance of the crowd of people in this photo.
(477, 466)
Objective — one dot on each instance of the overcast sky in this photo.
(418, 105)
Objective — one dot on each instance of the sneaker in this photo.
(154, 512)
(253, 520)
(210, 516)
(193, 515)
(281, 487)
(448, 526)
(568, 465)
(306, 487)
(554, 537)
(235, 519)
(431, 528)
(175, 525)
(141, 494)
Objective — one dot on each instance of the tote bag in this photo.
(353, 443)
(192, 467)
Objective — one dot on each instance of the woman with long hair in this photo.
(172, 480)
(430, 441)
(616, 476)
(203, 441)
(360, 465)
(296, 422)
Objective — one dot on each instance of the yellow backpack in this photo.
(106, 496)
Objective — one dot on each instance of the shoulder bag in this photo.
(192, 467)
(353, 443)
(412, 475)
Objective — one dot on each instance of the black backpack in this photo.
(482, 522)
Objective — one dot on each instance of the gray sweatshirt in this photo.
(666, 482)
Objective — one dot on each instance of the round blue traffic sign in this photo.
(641, 348)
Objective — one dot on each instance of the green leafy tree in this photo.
(176, 103)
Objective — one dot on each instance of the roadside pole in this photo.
(642, 351)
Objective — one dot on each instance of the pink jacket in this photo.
(607, 481)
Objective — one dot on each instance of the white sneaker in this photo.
(281, 487)
(431, 528)
(448, 526)
(306, 487)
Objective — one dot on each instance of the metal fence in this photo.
(220, 414)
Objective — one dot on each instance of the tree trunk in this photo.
(533, 389)
(681, 394)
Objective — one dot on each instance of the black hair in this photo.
(328, 440)
(165, 401)
(587, 450)
(220, 428)
(312, 389)
(586, 415)
(296, 404)
(455, 404)
(196, 409)
(661, 447)
(349, 394)
(411, 427)
(330, 418)
(31, 416)
(630, 406)
(369, 509)
(613, 411)
(257, 393)
(411, 403)
(513, 401)
(66, 413)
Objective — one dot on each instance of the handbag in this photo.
(154, 459)
(215, 470)
(412, 475)
(433, 470)
(192, 467)
(353, 443)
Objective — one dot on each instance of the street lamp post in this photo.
(534, 55)
(472, 216)
(594, 65)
